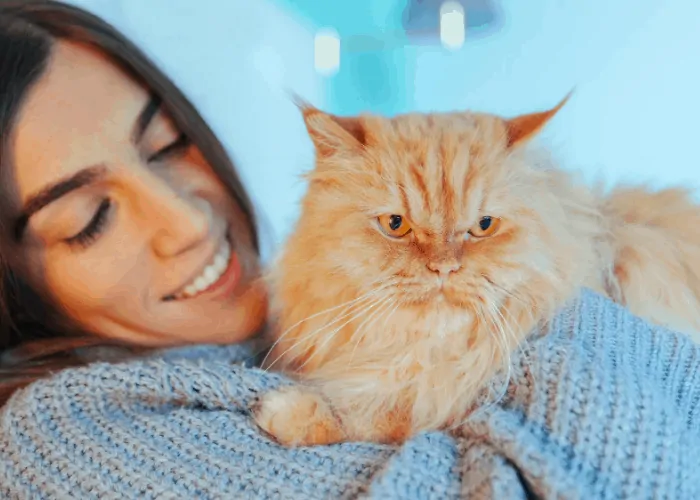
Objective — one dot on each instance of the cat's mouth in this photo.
(450, 295)
(440, 291)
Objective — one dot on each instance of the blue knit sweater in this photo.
(604, 406)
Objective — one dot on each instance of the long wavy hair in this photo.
(35, 339)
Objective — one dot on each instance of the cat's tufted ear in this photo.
(331, 134)
(523, 128)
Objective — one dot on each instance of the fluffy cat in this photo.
(429, 245)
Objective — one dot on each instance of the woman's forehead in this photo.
(80, 107)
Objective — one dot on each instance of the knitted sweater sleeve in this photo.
(603, 406)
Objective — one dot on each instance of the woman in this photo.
(147, 216)
(126, 233)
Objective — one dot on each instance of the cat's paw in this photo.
(295, 417)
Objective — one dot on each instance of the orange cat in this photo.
(428, 247)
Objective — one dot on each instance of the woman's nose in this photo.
(177, 219)
(184, 224)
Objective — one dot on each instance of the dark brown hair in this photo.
(34, 338)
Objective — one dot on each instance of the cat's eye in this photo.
(487, 226)
(394, 226)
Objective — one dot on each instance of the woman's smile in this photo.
(217, 277)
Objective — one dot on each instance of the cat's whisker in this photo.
(331, 335)
(526, 307)
(505, 291)
(490, 401)
(352, 312)
(487, 318)
(365, 302)
(386, 320)
(362, 298)
(506, 324)
(372, 318)
(521, 343)
(367, 321)
(504, 351)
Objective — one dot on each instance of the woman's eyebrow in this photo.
(145, 117)
(53, 192)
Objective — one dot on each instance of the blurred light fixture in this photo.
(327, 52)
(427, 21)
(424, 22)
(452, 25)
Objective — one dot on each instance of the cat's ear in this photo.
(523, 128)
(331, 134)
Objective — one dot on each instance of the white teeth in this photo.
(220, 261)
(201, 283)
(210, 274)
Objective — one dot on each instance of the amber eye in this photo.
(487, 226)
(395, 226)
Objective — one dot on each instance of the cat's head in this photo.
(438, 209)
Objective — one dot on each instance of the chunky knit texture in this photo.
(604, 406)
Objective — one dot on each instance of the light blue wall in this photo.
(635, 65)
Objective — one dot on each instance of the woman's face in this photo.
(128, 228)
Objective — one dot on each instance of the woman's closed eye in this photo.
(94, 228)
(174, 149)
(89, 234)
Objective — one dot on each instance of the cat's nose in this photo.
(444, 268)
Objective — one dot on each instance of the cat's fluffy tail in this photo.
(656, 244)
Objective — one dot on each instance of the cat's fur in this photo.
(385, 346)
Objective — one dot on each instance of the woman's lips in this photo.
(220, 276)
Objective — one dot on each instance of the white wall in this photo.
(236, 60)
(635, 65)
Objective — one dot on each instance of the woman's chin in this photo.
(236, 321)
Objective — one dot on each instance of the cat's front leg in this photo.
(302, 416)
(298, 416)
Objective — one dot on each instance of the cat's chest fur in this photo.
(422, 369)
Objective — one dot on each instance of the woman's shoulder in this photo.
(177, 426)
(201, 375)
